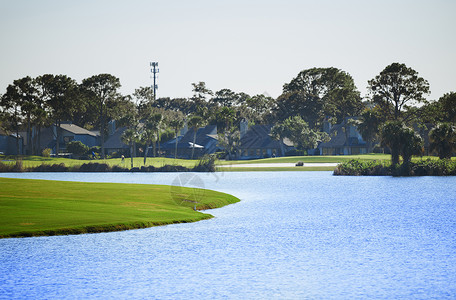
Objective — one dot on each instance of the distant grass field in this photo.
(33, 161)
(41, 207)
(310, 159)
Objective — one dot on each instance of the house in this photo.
(8, 144)
(206, 143)
(68, 133)
(345, 140)
(114, 142)
(256, 142)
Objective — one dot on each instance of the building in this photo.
(256, 142)
(8, 145)
(345, 140)
(68, 133)
(206, 143)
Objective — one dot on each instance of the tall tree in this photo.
(396, 88)
(60, 95)
(176, 123)
(12, 119)
(369, 126)
(102, 88)
(318, 93)
(448, 105)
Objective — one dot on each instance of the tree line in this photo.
(392, 113)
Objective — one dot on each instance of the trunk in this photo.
(394, 156)
(194, 141)
(369, 146)
(38, 146)
(131, 154)
(145, 153)
(102, 133)
(154, 149)
(158, 142)
(29, 135)
(57, 134)
(175, 150)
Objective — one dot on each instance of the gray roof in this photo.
(77, 130)
(259, 137)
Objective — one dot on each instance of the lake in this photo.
(294, 235)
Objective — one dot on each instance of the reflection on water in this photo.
(293, 235)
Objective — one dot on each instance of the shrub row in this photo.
(441, 167)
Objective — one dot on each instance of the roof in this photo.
(77, 130)
(339, 138)
(204, 136)
(259, 136)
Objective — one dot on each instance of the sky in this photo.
(249, 46)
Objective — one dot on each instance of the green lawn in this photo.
(310, 159)
(40, 207)
(33, 161)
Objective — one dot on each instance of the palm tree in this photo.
(443, 140)
(391, 137)
(195, 122)
(176, 125)
(369, 127)
(150, 133)
(130, 137)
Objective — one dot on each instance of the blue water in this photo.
(294, 235)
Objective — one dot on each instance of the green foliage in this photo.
(77, 148)
(401, 140)
(318, 93)
(396, 88)
(443, 140)
(299, 133)
(46, 152)
(428, 167)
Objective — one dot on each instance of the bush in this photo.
(77, 148)
(299, 164)
(46, 152)
(93, 167)
(441, 167)
(50, 168)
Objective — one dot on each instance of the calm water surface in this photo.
(294, 235)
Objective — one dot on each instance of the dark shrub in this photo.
(299, 164)
(94, 167)
(51, 168)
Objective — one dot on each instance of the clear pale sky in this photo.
(247, 46)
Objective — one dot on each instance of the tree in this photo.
(448, 105)
(318, 93)
(12, 118)
(176, 124)
(369, 126)
(401, 140)
(299, 133)
(396, 88)
(101, 89)
(151, 133)
(60, 95)
(130, 137)
(443, 140)
(195, 122)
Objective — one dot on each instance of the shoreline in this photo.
(32, 207)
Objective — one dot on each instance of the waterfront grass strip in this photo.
(41, 207)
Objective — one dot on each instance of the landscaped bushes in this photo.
(429, 167)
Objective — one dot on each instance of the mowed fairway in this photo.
(41, 207)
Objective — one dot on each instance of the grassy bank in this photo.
(40, 207)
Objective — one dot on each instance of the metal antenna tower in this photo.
(154, 71)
